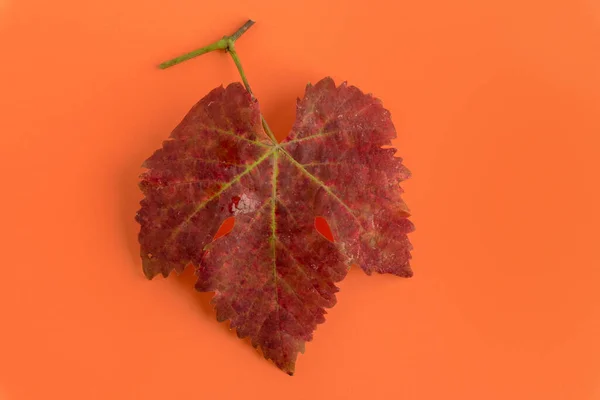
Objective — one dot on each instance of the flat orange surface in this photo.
(497, 107)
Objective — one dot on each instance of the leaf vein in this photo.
(230, 133)
(236, 179)
(324, 186)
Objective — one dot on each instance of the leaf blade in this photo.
(273, 274)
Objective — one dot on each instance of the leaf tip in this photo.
(149, 272)
(408, 273)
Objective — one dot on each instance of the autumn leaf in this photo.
(274, 274)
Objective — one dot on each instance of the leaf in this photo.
(274, 274)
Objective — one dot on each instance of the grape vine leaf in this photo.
(274, 274)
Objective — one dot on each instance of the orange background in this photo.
(497, 107)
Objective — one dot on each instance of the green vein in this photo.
(273, 238)
(319, 164)
(218, 193)
(230, 133)
(320, 133)
(190, 182)
(322, 184)
(316, 135)
(206, 161)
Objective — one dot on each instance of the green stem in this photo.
(222, 44)
(238, 64)
(227, 43)
(268, 130)
(219, 45)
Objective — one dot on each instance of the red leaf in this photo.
(274, 274)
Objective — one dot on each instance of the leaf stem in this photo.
(223, 44)
(219, 45)
(268, 130)
(231, 50)
(227, 43)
